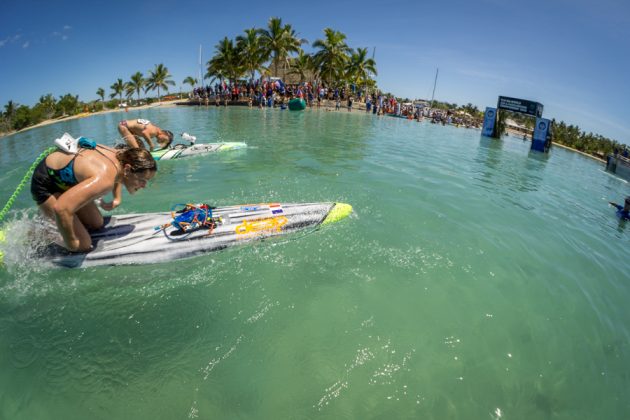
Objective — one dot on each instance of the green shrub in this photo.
(22, 118)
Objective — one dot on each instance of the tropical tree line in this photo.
(570, 135)
(565, 134)
(277, 51)
(592, 144)
(17, 117)
(159, 79)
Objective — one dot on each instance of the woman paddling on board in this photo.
(65, 185)
(133, 130)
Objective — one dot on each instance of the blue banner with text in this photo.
(489, 119)
(541, 134)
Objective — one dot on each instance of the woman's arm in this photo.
(74, 199)
(117, 199)
(147, 138)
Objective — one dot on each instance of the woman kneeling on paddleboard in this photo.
(65, 186)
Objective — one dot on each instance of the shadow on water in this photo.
(621, 225)
(537, 160)
(488, 158)
(505, 171)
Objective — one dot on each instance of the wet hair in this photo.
(627, 202)
(170, 137)
(139, 159)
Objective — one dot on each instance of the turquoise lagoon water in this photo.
(474, 280)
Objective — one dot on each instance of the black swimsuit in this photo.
(46, 181)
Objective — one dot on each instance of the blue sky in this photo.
(573, 56)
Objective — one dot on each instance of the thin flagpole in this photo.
(434, 84)
(369, 73)
(200, 78)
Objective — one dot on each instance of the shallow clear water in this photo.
(475, 280)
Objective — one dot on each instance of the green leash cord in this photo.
(19, 188)
(21, 185)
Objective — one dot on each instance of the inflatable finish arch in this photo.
(540, 139)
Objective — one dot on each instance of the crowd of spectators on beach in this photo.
(272, 93)
(275, 93)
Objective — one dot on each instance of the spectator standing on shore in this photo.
(260, 98)
(269, 95)
(350, 103)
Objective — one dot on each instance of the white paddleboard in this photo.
(182, 150)
(133, 238)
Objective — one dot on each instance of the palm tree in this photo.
(136, 84)
(226, 62)
(48, 102)
(191, 81)
(159, 78)
(253, 53)
(302, 65)
(101, 93)
(360, 67)
(118, 88)
(332, 56)
(279, 41)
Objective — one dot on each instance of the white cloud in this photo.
(10, 40)
(26, 44)
(63, 34)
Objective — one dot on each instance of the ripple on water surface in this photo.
(475, 279)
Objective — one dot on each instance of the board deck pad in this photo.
(134, 239)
